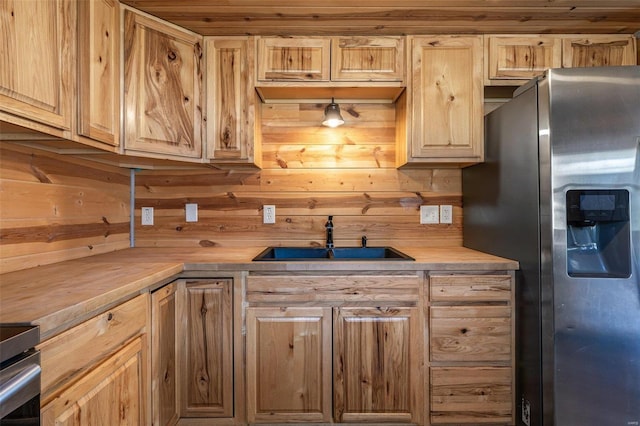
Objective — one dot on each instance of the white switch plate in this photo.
(446, 214)
(268, 214)
(147, 215)
(191, 212)
(429, 214)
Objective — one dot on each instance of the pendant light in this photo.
(332, 117)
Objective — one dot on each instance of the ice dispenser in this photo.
(598, 233)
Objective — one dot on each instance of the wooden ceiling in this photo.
(377, 17)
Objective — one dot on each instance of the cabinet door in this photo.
(293, 58)
(598, 50)
(163, 83)
(111, 394)
(471, 395)
(445, 100)
(289, 364)
(377, 376)
(367, 59)
(164, 400)
(207, 362)
(36, 78)
(471, 333)
(513, 60)
(99, 71)
(231, 101)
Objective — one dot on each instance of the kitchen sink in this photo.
(324, 254)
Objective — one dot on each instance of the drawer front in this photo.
(73, 352)
(471, 395)
(331, 288)
(471, 333)
(470, 288)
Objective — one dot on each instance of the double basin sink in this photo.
(324, 254)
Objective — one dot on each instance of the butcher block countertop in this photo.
(61, 295)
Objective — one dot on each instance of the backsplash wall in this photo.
(55, 208)
(309, 172)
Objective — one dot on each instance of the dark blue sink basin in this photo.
(338, 253)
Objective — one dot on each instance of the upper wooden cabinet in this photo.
(330, 59)
(99, 71)
(163, 89)
(440, 115)
(519, 58)
(232, 117)
(598, 50)
(293, 58)
(512, 60)
(36, 72)
(367, 59)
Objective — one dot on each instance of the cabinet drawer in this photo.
(471, 333)
(470, 288)
(471, 395)
(332, 288)
(73, 352)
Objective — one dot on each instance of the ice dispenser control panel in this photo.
(598, 233)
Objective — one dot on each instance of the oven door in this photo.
(20, 390)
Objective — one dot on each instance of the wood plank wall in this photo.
(309, 172)
(55, 208)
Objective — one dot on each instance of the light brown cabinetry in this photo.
(440, 114)
(373, 324)
(513, 60)
(162, 89)
(471, 349)
(36, 72)
(598, 50)
(232, 105)
(376, 364)
(96, 373)
(367, 59)
(206, 341)
(99, 71)
(293, 58)
(289, 364)
(164, 356)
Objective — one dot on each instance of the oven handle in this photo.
(18, 383)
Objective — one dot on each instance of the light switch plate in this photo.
(429, 214)
(191, 212)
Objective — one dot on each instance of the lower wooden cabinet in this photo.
(111, 394)
(377, 359)
(96, 373)
(471, 349)
(289, 364)
(349, 351)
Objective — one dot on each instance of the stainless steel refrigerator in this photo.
(560, 192)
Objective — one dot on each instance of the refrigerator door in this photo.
(594, 132)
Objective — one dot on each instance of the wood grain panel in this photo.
(481, 333)
(352, 288)
(289, 364)
(309, 172)
(470, 288)
(351, 17)
(59, 208)
(471, 395)
(207, 356)
(68, 355)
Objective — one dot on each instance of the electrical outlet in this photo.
(269, 214)
(429, 214)
(446, 214)
(147, 215)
